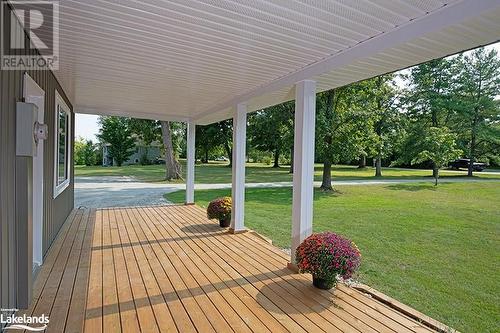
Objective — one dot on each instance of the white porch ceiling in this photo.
(195, 60)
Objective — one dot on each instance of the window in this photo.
(62, 147)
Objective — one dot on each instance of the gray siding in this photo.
(55, 210)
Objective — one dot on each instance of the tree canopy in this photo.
(116, 132)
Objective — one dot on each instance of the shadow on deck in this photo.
(169, 269)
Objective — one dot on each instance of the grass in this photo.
(436, 249)
(214, 173)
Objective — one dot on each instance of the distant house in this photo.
(142, 152)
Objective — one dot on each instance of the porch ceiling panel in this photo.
(180, 60)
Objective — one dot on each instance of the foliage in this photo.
(327, 255)
(98, 154)
(342, 126)
(439, 146)
(219, 209)
(271, 130)
(85, 152)
(478, 110)
(214, 140)
(207, 143)
(89, 153)
(389, 123)
(341, 123)
(430, 93)
(458, 92)
(116, 132)
(78, 151)
(147, 130)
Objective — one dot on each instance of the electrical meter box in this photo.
(26, 119)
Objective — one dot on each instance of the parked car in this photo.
(222, 159)
(463, 163)
(159, 160)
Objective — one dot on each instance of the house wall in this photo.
(153, 153)
(55, 209)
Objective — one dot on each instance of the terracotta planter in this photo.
(323, 284)
(225, 223)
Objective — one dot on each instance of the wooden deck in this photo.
(169, 269)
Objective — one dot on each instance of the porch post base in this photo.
(232, 231)
(292, 267)
(189, 204)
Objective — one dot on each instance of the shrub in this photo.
(328, 256)
(219, 208)
(267, 160)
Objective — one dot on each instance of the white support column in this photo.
(191, 158)
(303, 163)
(239, 157)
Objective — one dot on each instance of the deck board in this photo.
(169, 269)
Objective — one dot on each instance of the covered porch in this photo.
(170, 269)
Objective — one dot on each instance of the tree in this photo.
(89, 155)
(431, 91)
(207, 143)
(78, 151)
(172, 166)
(116, 132)
(271, 130)
(439, 147)
(341, 126)
(388, 121)
(215, 139)
(478, 111)
(171, 135)
(429, 100)
(225, 138)
(147, 130)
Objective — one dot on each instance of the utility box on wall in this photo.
(26, 119)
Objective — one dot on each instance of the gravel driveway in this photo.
(112, 191)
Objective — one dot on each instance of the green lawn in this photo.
(256, 172)
(434, 248)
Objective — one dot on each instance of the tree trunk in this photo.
(326, 183)
(172, 166)
(362, 162)
(470, 169)
(378, 166)
(206, 156)
(276, 159)
(436, 177)
(291, 160)
(435, 170)
(229, 153)
(472, 151)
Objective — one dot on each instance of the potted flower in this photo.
(220, 209)
(328, 257)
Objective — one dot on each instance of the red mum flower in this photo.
(327, 255)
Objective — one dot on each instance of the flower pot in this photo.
(224, 223)
(323, 283)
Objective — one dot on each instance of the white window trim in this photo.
(58, 189)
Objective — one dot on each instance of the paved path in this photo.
(111, 191)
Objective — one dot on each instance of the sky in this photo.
(86, 126)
